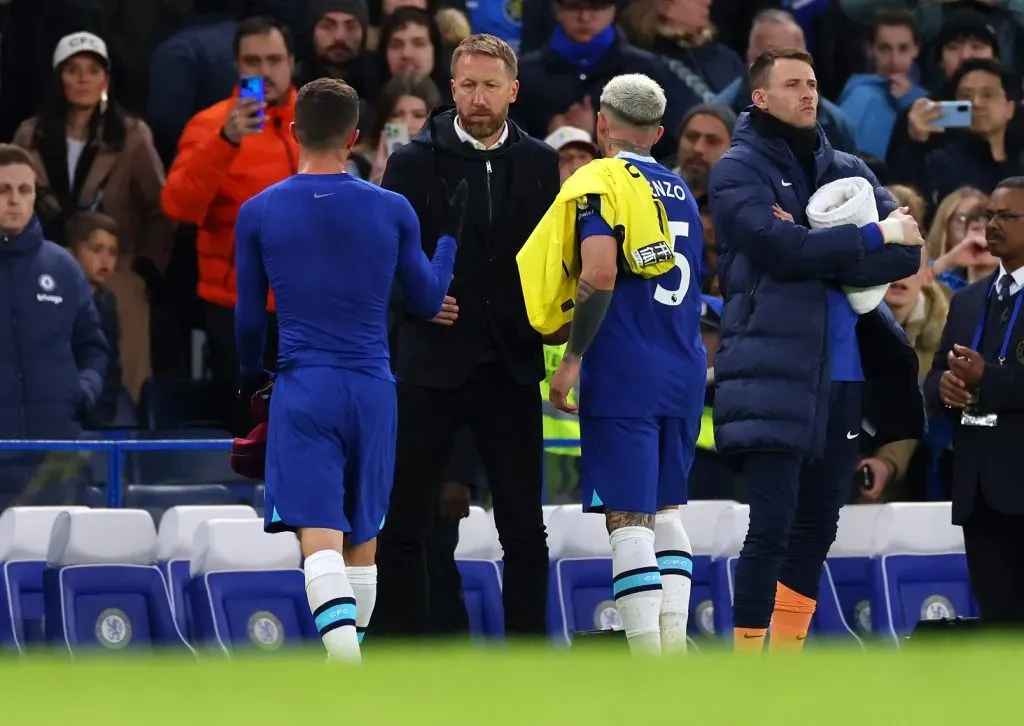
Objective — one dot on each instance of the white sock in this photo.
(364, 585)
(333, 604)
(675, 560)
(637, 587)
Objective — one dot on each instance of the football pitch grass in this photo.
(600, 684)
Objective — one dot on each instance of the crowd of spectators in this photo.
(144, 152)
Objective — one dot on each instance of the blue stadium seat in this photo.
(175, 539)
(476, 557)
(248, 591)
(580, 586)
(730, 531)
(24, 541)
(919, 570)
(102, 590)
(849, 564)
(700, 519)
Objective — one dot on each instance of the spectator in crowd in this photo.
(410, 42)
(227, 154)
(948, 225)
(942, 28)
(706, 134)
(775, 29)
(479, 362)
(709, 270)
(562, 82)
(56, 355)
(190, 71)
(921, 309)
(977, 380)
(964, 36)
(910, 198)
(450, 16)
(575, 147)
(92, 239)
(795, 357)
(970, 259)
(91, 155)
(339, 47)
(681, 33)
(405, 99)
(872, 101)
(981, 155)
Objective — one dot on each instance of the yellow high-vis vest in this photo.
(557, 424)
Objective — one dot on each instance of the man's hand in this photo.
(967, 365)
(901, 229)
(953, 392)
(243, 120)
(899, 85)
(449, 312)
(582, 116)
(920, 121)
(881, 473)
(782, 215)
(453, 501)
(562, 382)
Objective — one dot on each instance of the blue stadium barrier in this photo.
(115, 453)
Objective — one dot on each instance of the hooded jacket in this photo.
(510, 189)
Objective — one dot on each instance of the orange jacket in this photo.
(210, 180)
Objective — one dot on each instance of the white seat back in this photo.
(25, 532)
(924, 528)
(856, 530)
(700, 519)
(102, 537)
(573, 533)
(731, 530)
(179, 524)
(241, 544)
(478, 539)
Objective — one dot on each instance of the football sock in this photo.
(637, 587)
(333, 604)
(791, 619)
(675, 561)
(364, 585)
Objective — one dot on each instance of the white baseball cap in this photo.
(80, 42)
(565, 135)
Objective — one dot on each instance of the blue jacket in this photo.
(872, 110)
(53, 354)
(772, 369)
(831, 118)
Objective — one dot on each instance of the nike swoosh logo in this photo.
(787, 184)
(748, 636)
(321, 196)
(801, 637)
(851, 436)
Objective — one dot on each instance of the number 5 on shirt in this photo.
(675, 297)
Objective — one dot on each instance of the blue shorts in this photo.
(330, 452)
(636, 464)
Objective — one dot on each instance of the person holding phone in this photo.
(228, 153)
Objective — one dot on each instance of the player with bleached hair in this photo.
(636, 347)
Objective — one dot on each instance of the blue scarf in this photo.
(582, 55)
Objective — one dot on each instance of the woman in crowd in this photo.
(405, 99)
(956, 240)
(92, 156)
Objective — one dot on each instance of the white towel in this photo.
(848, 201)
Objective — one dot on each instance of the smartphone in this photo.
(955, 115)
(395, 135)
(252, 87)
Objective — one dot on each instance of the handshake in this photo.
(899, 228)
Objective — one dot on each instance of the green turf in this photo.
(598, 685)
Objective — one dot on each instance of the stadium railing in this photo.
(115, 450)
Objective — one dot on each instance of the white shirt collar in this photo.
(634, 157)
(1017, 275)
(466, 138)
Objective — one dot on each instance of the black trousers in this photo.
(794, 513)
(995, 559)
(505, 418)
(219, 326)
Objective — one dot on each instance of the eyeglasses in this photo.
(999, 217)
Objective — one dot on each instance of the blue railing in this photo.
(115, 453)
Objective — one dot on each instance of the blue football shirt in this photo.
(648, 358)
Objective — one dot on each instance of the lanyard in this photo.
(1009, 328)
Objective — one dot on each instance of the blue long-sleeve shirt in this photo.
(330, 246)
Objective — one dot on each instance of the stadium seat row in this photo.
(78, 578)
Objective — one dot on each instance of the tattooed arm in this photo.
(594, 294)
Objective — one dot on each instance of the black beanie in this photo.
(356, 8)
